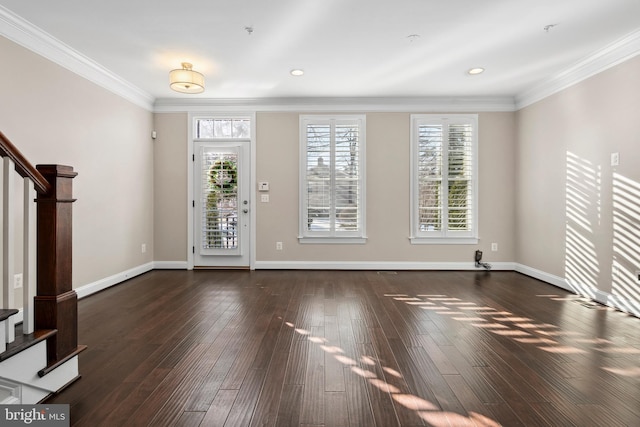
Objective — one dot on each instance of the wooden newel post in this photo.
(56, 305)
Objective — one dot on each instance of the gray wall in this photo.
(387, 198)
(579, 216)
(54, 116)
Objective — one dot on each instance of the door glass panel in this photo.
(219, 200)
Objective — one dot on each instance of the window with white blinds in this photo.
(444, 178)
(332, 179)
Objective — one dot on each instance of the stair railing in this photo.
(49, 302)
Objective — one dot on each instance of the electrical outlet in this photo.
(494, 247)
(144, 248)
(17, 281)
(264, 198)
(615, 159)
(278, 246)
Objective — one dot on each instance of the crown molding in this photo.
(31, 37)
(611, 55)
(318, 104)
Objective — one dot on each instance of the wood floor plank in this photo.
(166, 402)
(333, 363)
(247, 399)
(290, 406)
(266, 411)
(471, 401)
(297, 364)
(384, 412)
(189, 419)
(439, 355)
(351, 348)
(357, 399)
(247, 346)
(313, 402)
(119, 412)
(388, 371)
(200, 396)
(336, 413)
(220, 407)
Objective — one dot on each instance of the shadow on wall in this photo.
(583, 220)
(626, 249)
(583, 267)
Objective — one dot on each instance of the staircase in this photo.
(38, 336)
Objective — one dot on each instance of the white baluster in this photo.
(8, 245)
(29, 257)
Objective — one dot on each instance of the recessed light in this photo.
(474, 71)
(296, 72)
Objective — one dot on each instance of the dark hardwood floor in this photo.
(352, 348)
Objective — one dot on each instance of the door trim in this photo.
(191, 116)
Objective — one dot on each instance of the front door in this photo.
(221, 205)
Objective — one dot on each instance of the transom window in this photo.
(223, 128)
(444, 178)
(332, 179)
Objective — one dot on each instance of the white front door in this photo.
(221, 204)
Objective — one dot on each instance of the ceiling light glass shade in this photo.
(477, 70)
(186, 80)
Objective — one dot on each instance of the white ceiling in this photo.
(347, 48)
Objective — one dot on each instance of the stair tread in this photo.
(6, 313)
(22, 342)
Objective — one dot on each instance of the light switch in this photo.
(263, 186)
(264, 198)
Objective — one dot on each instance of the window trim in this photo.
(332, 237)
(444, 236)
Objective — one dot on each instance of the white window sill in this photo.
(444, 240)
(332, 240)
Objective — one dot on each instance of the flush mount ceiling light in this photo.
(475, 71)
(296, 72)
(185, 80)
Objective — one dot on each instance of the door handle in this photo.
(245, 210)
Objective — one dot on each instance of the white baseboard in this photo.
(368, 265)
(604, 298)
(170, 265)
(107, 282)
(545, 277)
(92, 288)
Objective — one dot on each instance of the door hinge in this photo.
(193, 203)
(193, 249)
(193, 157)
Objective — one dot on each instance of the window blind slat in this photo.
(333, 177)
(444, 175)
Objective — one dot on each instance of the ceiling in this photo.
(347, 48)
